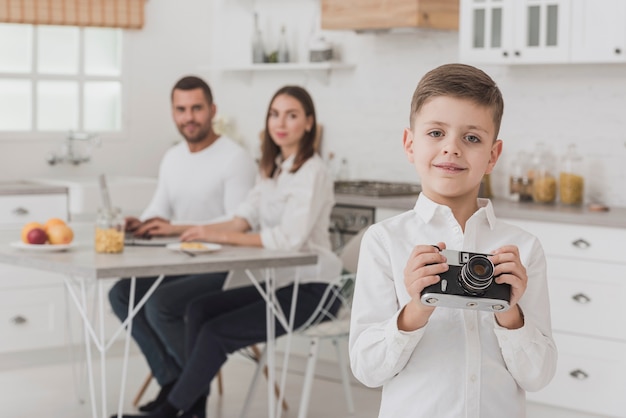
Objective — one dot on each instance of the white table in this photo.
(81, 265)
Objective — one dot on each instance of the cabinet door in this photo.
(485, 33)
(542, 31)
(515, 31)
(598, 31)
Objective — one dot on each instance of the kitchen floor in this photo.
(37, 385)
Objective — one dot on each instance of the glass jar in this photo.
(110, 225)
(544, 177)
(571, 177)
(520, 185)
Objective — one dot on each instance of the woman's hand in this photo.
(423, 268)
(510, 270)
(206, 233)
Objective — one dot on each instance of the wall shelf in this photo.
(324, 68)
(290, 66)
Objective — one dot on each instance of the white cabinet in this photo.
(32, 302)
(18, 209)
(587, 284)
(514, 31)
(598, 31)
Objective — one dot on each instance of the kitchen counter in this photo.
(615, 217)
(23, 187)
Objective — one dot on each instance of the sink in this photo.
(130, 194)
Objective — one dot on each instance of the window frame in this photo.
(34, 77)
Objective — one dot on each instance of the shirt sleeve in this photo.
(239, 181)
(378, 349)
(249, 208)
(308, 192)
(529, 352)
(159, 206)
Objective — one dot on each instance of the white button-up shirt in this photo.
(292, 212)
(462, 363)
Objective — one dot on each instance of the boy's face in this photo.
(452, 146)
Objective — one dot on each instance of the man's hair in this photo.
(306, 148)
(191, 83)
(463, 82)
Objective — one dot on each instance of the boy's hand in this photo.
(509, 268)
(422, 269)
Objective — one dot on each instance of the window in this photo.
(60, 78)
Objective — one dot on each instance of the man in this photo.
(201, 179)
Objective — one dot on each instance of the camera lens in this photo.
(476, 275)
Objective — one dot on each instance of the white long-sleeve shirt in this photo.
(292, 212)
(462, 363)
(204, 186)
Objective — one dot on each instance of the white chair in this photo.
(323, 325)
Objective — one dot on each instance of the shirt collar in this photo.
(285, 165)
(427, 209)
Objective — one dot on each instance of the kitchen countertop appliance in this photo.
(348, 219)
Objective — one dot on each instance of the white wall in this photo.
(363, 110)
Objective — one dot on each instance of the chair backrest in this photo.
(325, 322)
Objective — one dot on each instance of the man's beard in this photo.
(202, 134)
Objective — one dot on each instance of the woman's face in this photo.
(287, 122)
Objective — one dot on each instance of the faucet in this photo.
(69, 154)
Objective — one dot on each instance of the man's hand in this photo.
(509, 269)
(423, 268)
(155, 227)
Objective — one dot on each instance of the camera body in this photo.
(468, 284)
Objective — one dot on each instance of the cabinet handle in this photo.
(618, 51)
(19, 320)
(505, 54)
(517, 53)
(578, 374)
(20, 211)
(581, 243)
(581, 298)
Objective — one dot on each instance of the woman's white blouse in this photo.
(291, 211)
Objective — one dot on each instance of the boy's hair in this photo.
(191, 83)
(460, 81)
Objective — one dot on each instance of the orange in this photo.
(53, 221)
(26, 229)
(60, 234)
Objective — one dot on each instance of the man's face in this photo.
(192, 114)
(452, 146)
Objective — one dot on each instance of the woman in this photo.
(288, 209)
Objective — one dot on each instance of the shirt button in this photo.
(473, 378)
(470, 327)
(504, 338)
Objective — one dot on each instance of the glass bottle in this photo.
(520, 184)
(283, 48)
(258, 50)
(544, 178)
(571, 177)
(110, 226)
(344, 170)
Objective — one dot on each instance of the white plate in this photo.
(41, 247)
(208, 247)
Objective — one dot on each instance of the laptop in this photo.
(129, 238)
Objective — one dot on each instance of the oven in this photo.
(346, 220)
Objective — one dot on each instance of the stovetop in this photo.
(376, 188)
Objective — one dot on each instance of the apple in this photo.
(37, 236)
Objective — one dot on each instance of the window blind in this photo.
(128, 14)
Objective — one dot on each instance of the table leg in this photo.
(99, 340)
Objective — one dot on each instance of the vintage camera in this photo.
(468, 284)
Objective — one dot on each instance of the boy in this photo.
(447, 362)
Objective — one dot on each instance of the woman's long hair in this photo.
(269, 149)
